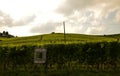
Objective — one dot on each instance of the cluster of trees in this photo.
(5, 34)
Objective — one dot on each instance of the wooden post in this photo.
(64, 32)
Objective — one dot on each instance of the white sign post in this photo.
(40, 55)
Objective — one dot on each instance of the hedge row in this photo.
(106, 53)
(62, 55)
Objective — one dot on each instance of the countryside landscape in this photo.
(59, 37)
(78, 55)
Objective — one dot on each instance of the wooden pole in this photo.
(64, 32)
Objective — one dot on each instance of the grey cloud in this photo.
(25, 20)
(105, 26)
(111, 5)
(45, 28)
(7, 20)
(69, 6)
(112, 19)
(96, 16)
(118, 16)
(88, 23)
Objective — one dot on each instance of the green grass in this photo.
(57, 38)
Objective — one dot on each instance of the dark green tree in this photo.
(0, 34)
(3, 32)
(6, 33)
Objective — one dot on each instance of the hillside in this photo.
(57, 38)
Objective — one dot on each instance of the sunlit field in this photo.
(67, 55)
(57, 38)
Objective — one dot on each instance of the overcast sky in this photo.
(34, 17)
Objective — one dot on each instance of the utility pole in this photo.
(64, 31)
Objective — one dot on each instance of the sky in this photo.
(35, 17)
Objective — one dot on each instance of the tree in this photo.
(0, 34)
(6, 33)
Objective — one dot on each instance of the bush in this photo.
(60, 56)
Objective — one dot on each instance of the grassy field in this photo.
(56, 38)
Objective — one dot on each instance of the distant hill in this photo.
(57, 38)
(114, 35)
(6, 34)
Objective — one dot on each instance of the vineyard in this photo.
(57, 38)
(81, 52)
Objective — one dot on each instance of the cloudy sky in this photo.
(33, 17)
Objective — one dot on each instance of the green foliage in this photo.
(61, 56)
